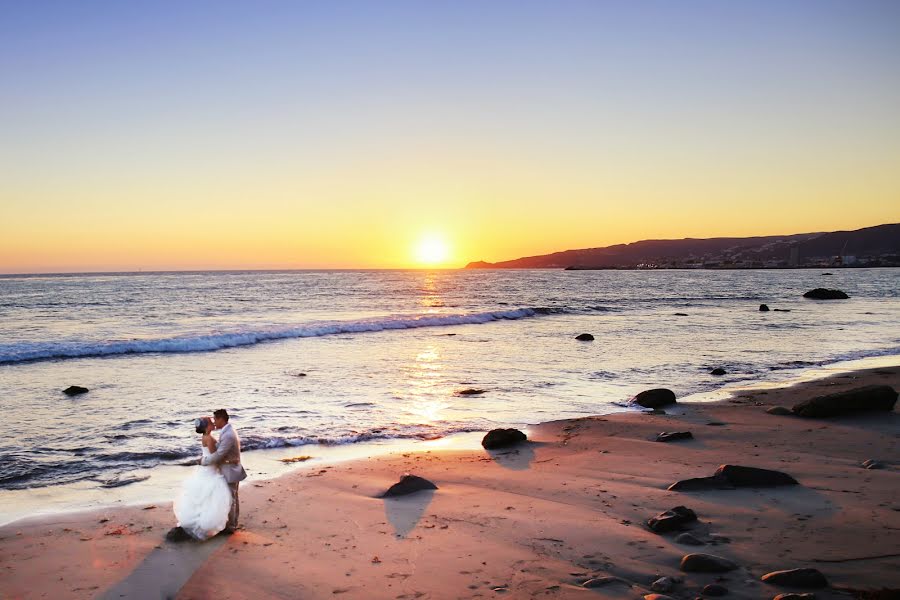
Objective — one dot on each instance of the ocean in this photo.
(307, 361)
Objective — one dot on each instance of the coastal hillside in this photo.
(870, 246)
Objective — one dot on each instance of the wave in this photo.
(36, 351)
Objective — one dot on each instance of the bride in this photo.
(202, 509)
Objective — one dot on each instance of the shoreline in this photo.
(161, 483)
(536, 521)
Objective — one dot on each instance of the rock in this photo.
(795, 596)
(802, 578)
(732, 476)
(501, 438)
(782, 310)
(657, 597)
(714, 589)
(680, 314)
(663, 584)
(716, 424)
(688, 539)
(825, 294)
(75, 390)
(706, 563)
(585, 337)
(655, 398)
(872, 464)
(763, 308)
(780, 411)
(469, 392)
(673, 519)
(866, 398)
(671, 436)
(177, 534)
(408, 484)
(601, 581)
(718, 371)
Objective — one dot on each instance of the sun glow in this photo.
(432, 250)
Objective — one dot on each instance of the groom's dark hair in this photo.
(221, 414)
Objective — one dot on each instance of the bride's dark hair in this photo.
(201, 424)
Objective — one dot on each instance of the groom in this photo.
(228, 456)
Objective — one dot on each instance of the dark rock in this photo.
(870, 397)
(796, 596)
(585, 337)
(872, 464)
(177, 534)
(802, 578)
(782, 310)
(501, 438)
(706, 563)
(827, 273)
(75, 390)
(656, 411)
(671, 436)
(714, 589)
(718, 371)
(825, 294)
(673, 519)
(408, 484)
(763, 308)
(732, 476)
(469, 392)
(657, 597)
(681, 314)
(688, 539)
(655, 398)
(716, 424)
(663, 584)
(780, 411)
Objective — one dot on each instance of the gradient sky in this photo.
(193, 135)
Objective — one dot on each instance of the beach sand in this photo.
(536, 521)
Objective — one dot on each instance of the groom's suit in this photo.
(228, 457)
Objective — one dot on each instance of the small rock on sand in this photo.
(671, 436)
(688, 539)
(663, 584)
(501, 438)
(780, 411)
(75, 390)
(585, 337)
(408, 484)
(714, 589)
(706, 563)
(601, 581)
(731, 476)
(655, 398)
(802, 578)
(671, 520)
(872, 464)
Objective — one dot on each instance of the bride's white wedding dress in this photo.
(205, 500)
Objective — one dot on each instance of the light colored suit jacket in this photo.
(227, 456)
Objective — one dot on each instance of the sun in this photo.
(432, 250)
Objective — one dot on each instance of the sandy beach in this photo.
(539, 520)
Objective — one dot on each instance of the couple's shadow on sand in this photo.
(405, 512)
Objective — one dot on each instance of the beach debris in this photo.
(655, 398)
(714, 589)
(866, 398)
(706, 563)
(826, 294)
(501, 438)
(295, 459)
(177, 534)
(732, 476)
(75, 390)
(673, 519)
(763, 308)
(872, 464)
(718, 371)
(663, 585)
(802, 578)
(780, 411)
(584, 337)
(796, 596)
(671, 436)
(409, 484)
(470, 392)
(688, 539)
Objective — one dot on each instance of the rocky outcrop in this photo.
(825, 294)
(734, 476)
(408, 484)
(867, 398)
(801, 578)
(501, 438)
(655, 398)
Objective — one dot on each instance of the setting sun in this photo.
(432, 250)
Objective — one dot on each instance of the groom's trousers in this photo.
(235, 506)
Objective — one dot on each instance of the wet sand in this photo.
(536, 521)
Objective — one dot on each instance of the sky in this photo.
(173, 135)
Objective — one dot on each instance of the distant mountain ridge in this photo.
(870, 246)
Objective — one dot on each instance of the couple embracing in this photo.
(209, 504)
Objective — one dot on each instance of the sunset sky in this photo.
(197, 135)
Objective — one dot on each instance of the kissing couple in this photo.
(208, 503)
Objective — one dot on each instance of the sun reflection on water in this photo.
(426, 387)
